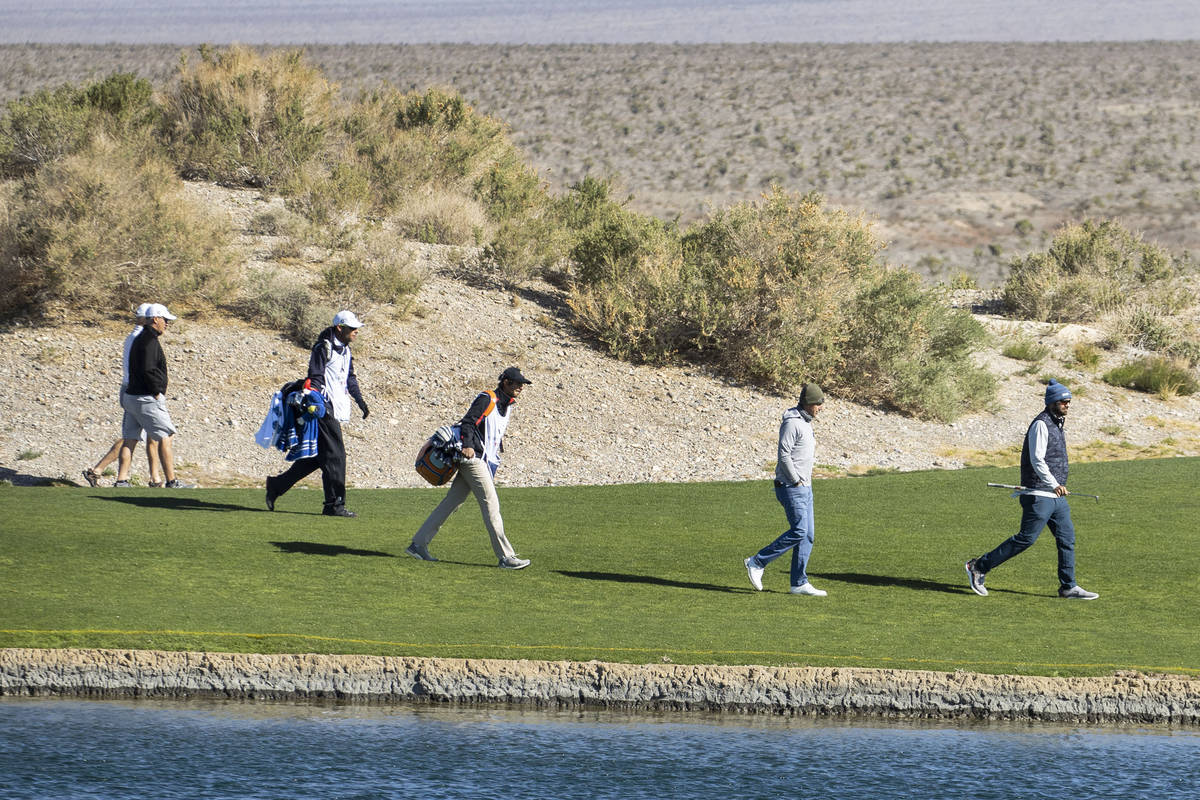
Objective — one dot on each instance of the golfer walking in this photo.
(793, 490)
(1043, 499)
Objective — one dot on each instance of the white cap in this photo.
(158, 310)
(346, 318)
(141, 310)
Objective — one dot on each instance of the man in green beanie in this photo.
(793, 490)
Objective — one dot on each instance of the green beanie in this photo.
(811, 395)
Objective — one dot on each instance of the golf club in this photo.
(1095, 497)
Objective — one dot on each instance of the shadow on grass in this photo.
(24, 479)
(618, 577)
(917, 584)
(318, 549)
(173, 503)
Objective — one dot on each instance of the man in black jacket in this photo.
(145, 397)
(330, 372)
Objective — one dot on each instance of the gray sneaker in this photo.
(421, 552)
(122, 485)
(178, 484)
(1077, 593)
(514, 562)
(975, 578)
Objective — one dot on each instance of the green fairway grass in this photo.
(639, 573)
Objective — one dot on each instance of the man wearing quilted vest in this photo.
(481, 431)
(1043, 499)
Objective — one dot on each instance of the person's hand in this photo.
(363, 405)
(1061, 491)
(468, 452)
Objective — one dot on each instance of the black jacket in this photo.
(471, 425)
(147, 365)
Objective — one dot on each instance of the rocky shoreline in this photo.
(1124, 698)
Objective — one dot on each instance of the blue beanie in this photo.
(1055, 391)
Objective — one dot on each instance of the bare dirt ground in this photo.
(965, 154)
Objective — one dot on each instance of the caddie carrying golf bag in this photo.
(439, 457)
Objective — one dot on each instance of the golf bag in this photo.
(439, 457)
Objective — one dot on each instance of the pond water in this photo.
(53, 748)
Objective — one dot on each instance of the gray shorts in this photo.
(145, 412)
(127, 422)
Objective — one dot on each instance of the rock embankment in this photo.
(802, 691)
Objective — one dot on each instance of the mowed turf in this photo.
(641, 573)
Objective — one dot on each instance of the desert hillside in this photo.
(588, 418)
(966, 154)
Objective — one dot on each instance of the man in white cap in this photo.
(122, 449)
(330, 372)
(145, 398)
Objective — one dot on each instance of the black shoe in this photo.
(338, 511)
(270, 497)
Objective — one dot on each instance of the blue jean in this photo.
(1038, 513)
(797, 502)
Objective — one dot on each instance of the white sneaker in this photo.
(1077, 593)
(755, 574)
(809, 589)
(417, 551)
(514, 562)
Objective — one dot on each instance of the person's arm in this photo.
(469, 425)
(353, 390)
(789, 439)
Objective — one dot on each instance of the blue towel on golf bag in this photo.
(298, 433)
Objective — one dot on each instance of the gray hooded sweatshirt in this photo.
(796, 448)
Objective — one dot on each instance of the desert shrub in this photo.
(584, 224)
(380, 269)
(107, 227)
(326, 193)
(436, 216)
(906, 349)
(1147, 328)
(52, 123)
(638, 314)
(275, 301)
(1025, 348)
(1091, 269)
(783, 291)
(611, 239)
(1156, 375)
(238, 117)
(1086, 355)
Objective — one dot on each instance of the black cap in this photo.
(513, 374)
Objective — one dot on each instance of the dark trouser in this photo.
(1038, 513)
(330, 459)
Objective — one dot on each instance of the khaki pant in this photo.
(473, 477)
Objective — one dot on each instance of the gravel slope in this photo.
(588, 418)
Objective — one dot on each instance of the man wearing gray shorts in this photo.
(145, 398)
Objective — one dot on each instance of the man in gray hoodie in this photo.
(793, 490)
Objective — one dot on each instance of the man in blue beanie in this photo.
(1043, 499)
